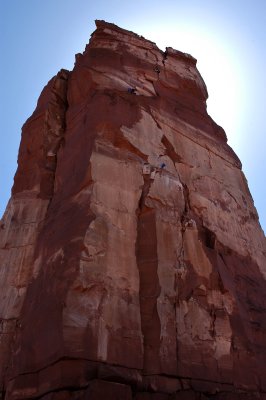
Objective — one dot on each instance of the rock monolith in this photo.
(133, 264)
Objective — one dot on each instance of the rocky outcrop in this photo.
(133, 265)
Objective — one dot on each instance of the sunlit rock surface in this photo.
(133, 265)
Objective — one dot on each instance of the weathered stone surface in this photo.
(100, 390)
(133, 265)
(151, 396)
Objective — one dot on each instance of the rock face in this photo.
(133, 265)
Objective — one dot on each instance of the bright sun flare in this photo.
(219, 69)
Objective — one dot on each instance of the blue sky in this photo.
(38, 38)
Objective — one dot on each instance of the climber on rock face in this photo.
(162, 165)
(157, 69)
(131, 90)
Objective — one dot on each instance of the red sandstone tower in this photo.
(133, 265)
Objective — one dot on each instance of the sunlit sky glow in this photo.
(218, 66)
(227, 38)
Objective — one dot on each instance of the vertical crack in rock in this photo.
(147, 261)
(54, 129)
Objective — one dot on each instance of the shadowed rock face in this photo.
(133, 265)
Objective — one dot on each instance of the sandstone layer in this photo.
(133, 265)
